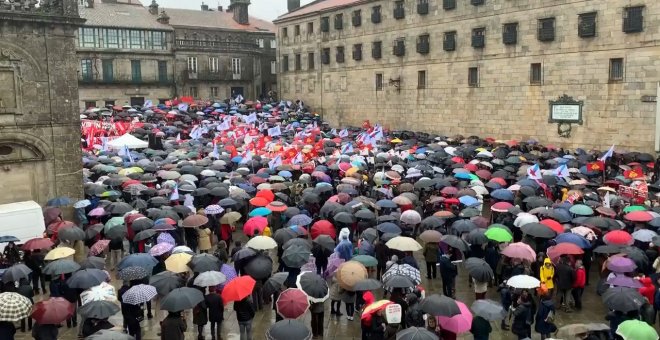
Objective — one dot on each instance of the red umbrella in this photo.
(554, 225)
(498, 180)
(565, 248)
(470, 167)
(99, 247)
(267, 194)
(53, 311)
(501, 207)
(292, 303)
(38, 243)
(276, 206)
(323, 227)
(54, 227)
(638, 216)
(618, 237)
(238, 289)
(255, 223)
(484, 174)
(259, 202)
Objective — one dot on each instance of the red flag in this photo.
(635, 173)
(188, 99)
(596, 166)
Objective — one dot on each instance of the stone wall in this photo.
(504, 105)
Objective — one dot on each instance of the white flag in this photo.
(298, 159)
(247, 157)
(175, 193)
(606, 200)
(215, 153)
(275, 131)
(225, 125)
(275, 162)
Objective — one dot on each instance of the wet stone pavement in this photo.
(343, 329)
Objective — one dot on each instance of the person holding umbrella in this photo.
(431, 258)
(45, 332)
(25, 289)
(133, 314)
(91, 326)
(173, 327)
(216, 312)
(244, 315)
(35, 261)
(545, 316)
(200, 318)
(448, 273)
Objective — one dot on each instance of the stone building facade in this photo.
(478, 67)
(156, 53)
(39, 123)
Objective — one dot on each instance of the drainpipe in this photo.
(657, 119)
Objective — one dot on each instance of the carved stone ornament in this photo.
(11, 99)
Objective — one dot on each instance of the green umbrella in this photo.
(498, 235)
(113, 222)
(636, 330)
(632, 208)
(366, 260)
(582, 210)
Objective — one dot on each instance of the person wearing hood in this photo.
(365, 321)
(545, 317)
(448, 272)
(481, 328)
(578, 284)
(345, 247)
(522, 315)
(547, 275)
(414, 315)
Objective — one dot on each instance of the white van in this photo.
(24, 220)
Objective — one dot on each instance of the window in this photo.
(339, 21)
(236, 66)
(473, 77)
(546, 29)
(260, 43)
(311, 61)
(214, 65)
(448, 4)
(510, 33)
(162, 71)
(296, 30)
(136, 70)
(340, 54)
(376, 49)
(399, 48)
(285, 63)
(285, 32)
(356, 19)
(536, 74)
(399, 10)
(273, 67)
(633, 19)
(379, 81)
(297, 62)
(325, 24)
(616, 69)
(111, 38)
(192, 64)
(87, 37)
(90, 104)
(449, 42)
(109, 103)
(193, 92)
(421, 79)
(214, 91)
(479, 37)
(423, 44)
(310, 28)
(357, 52)
(422, 7)
(325, 56)
(86, 69)
(108, 71)
(587, 25)
(273, 43)
(136, 39)
(375, 14)
(477, 2)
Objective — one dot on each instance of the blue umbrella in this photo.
(528, 183)
(573, 238)
(386, 204)
(502, 194)
(468, 201)
(261, 211)
(284, 173)
(59, 202)
(389, 227)
(4, 239)
(463, 175)
(237, 159)
(138, 260)
(299, 220)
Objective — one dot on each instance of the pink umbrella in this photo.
(160, 249)
(520, 250)
(334, 261)
(255, 223)
(457, 324)
(292, 303)
(97, 212)
(99, 247)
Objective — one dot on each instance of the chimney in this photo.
(153, 8)
(205, 7)
(163, 18)
(240, 9)
(293, 5)
(89, 3)
(220, 9)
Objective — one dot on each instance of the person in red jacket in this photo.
(578, 284)
(648, 291)
(365, 321)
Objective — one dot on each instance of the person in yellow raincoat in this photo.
(547, 274)
(267, 231)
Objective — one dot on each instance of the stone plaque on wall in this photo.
(565, 110)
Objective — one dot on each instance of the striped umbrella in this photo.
(14, 307)
(139, 294)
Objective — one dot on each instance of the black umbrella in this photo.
(275, 283)
(463, 226)
(93, 230)
(477, 236)
(623, 299)
(243, 254)
(326, 242)
(608, 249)
(288, 329)
(61, 266)
(538, 230)
(344, 217)
(259, 267)
(117, 232)
(398, 281)
(119, 208)
(87, 278)
(283, 235)
(440, 305)
(313, 285)
(204, 262)
(142, 223)
(93, 262)
(370, 234)
(637, 255)
(365, 214)
(166, 281)
(144, 234)
(455, 242)
(99, 309)
(132, 273)
(368, 284)
(16, 272)
(181, 299)
(432, 222)
(296, 256)
(415, 333)
(71, 234)
(299, 242)
(479, 269)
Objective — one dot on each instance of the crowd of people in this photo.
(263, 205)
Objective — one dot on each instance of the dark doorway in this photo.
(137, 101)
(235, 91)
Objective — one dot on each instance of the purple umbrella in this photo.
(230, 274)
(165, 238)
(97, 212)
(621, 265)
(161, 248)
(624, 281)
(334, 261)
(299, 220)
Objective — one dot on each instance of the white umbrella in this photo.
(523, 282)
(261, 243)
(525, 218)
(403, 243)
(102, 292)
(210, 278)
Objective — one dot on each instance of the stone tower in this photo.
(293, 5)
(240, 10)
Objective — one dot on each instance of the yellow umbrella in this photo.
(403, 243)
(375, 306)
(396, 141)
(230, 218)
(132, 170)
(351, 171)
(178, 263)
(59, 253)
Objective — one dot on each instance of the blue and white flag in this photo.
(274, 131)
(125, 152)
(348, 148)
(196, 132)
(239, 98)
(183, 107)
(251, 118)
(275, 162)
(178, 137)
(215, 153)
(534, 172)
(225, 125)
(343, 133)
(298, 159)
(246, 158)
(608, 154)
(175, 193)
(562, 171)
(104, 144)
(148, 104)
